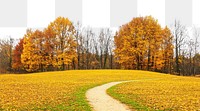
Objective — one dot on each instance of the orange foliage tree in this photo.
(143, 44)
(63, 36)
(16, 58)
(53, 48)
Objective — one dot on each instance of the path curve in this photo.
(101, 101)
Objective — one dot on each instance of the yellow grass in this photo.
(171, 93)
(57, 90)
(66, 90)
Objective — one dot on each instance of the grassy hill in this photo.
(66, 90)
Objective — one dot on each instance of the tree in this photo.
(32, 56)
(65, 45)
(55, 47)
(197, 63)
(78, 36)
(5, 55)
(16, 58)
(49, 48)
(106, 46)
(141, 44)
(87, 42)
(167, 48)
(179, 34)
(196, 35)
(111, 48)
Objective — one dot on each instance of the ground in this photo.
(168, 94)
(66, 90)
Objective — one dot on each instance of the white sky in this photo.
(95, 13)
(155, 8)
(196, 14)
(40, 13)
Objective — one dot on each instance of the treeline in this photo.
(60, 46)
(141, 44)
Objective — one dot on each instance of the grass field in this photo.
(57, 90)
(66, 90)
(164, 94)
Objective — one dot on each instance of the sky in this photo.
(22, 14)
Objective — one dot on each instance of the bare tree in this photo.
(6, 55)
(96, 51)
(86, 47)
(78, 36)
(179, 34)
(105, 42)
(190, 54)
(111, 47)
(106, 45)
(196, 34)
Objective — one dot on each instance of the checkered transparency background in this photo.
(16, 14)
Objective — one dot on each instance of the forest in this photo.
(141, 44)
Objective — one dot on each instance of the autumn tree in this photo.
(55, 47)
(49, 48)
(32, 57)
(64, 44)
(16, 58)
(167, 48)
(141, 44)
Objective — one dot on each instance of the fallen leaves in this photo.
(51, 89)
(43, 91)
(180, 93)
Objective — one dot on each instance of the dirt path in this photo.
(101, 101)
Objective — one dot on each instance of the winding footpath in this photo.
(101, 101)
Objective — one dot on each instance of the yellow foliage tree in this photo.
(141, 44)
(28, 55)
(65, 45)
(55, 47)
